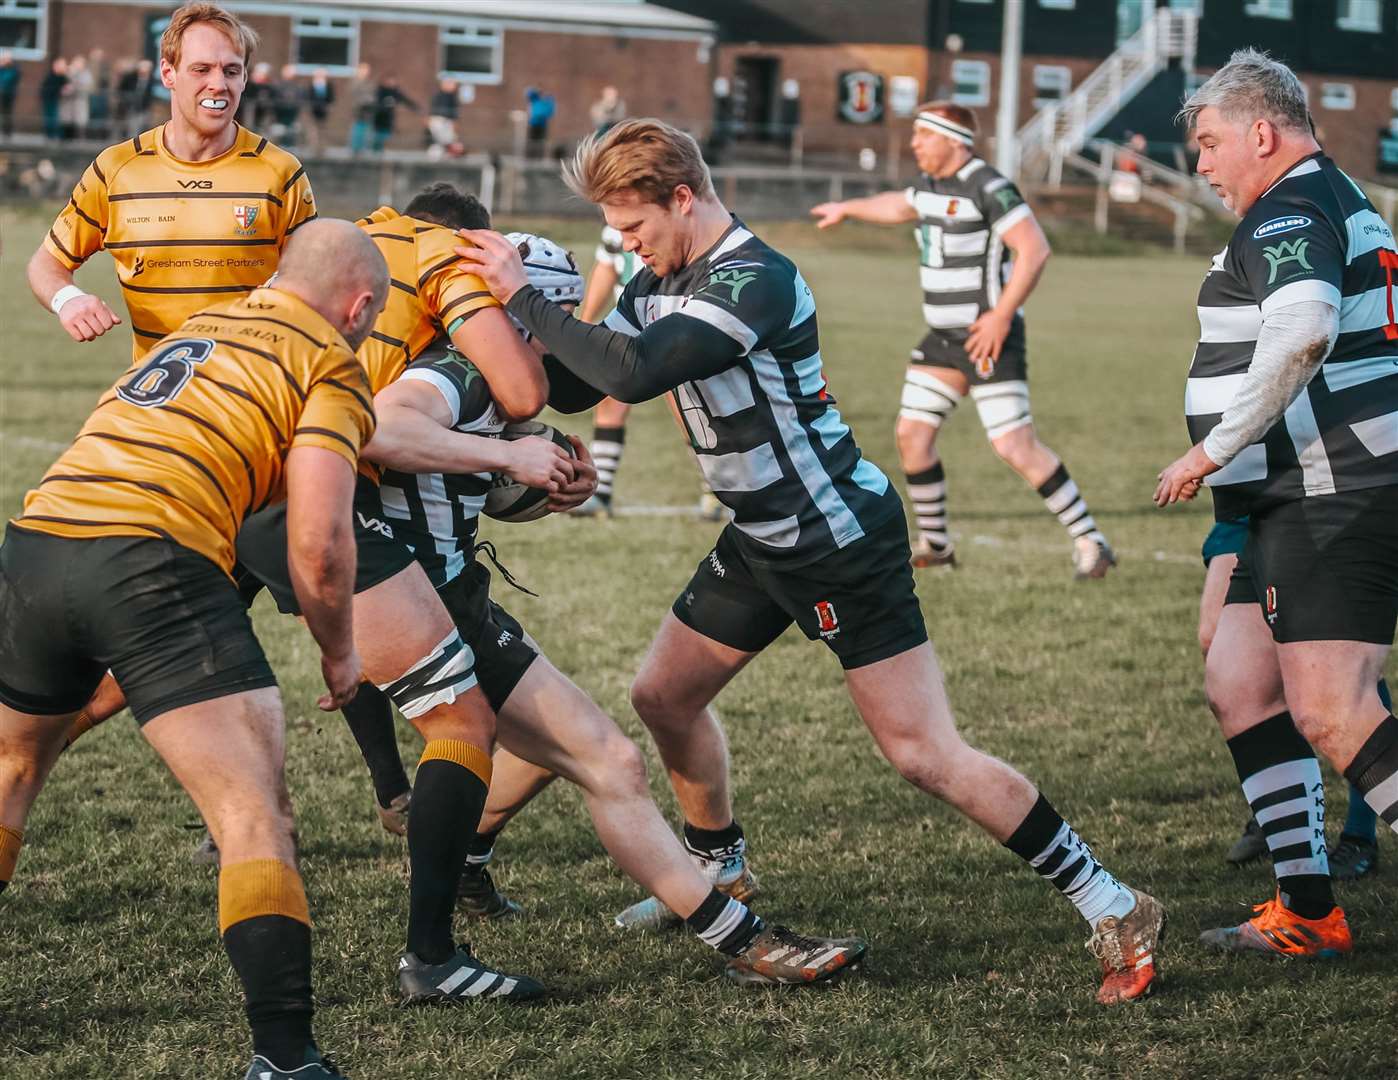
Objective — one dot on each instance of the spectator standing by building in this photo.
(442, 112)
(541, 109)
(386, 101)
(77, 101)
(135, 92)
(256, 109)
(607, 110)
(364, 95)
(9, 88)
(51, 97)
(288, 96)
(100, 99)
(320, 96)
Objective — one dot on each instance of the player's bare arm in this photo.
(414, 435)
(84, 316)
(986, 336)
(513, 370)
(597, 299)
(885, 208)
(321, 559)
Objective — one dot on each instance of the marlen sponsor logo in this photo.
(1280, 225)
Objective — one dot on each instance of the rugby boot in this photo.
(781, 957)
(394, 816)
(1252, 844)
(1275, 931)
(478, 897)
(460, 978)
(925, 555)
(1353, 858)
(730, 875)
(1092, 557)
(322, 1068)
(1126, 947)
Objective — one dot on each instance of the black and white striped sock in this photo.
(1282, 783)
(607, 445)
(1061, 496)
(1374, 770)
(1048, 843)
(724, 923)
(927, 491)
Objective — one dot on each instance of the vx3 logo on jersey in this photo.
(1278, 255)
(374, 524)
(197, 185)
(734, 280)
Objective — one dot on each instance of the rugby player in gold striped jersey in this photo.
(194, 211)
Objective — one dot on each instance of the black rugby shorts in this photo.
(859, 600)
(168, 623)
(262, 549)
(1324, 568)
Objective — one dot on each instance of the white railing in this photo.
(1186, 186)
(1065, 126)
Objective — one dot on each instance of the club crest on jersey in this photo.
(1280, 225)
(245, 215)
(952, 204)
(826, 619)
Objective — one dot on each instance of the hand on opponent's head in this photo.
(494, 259)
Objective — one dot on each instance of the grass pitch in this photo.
(109, 960)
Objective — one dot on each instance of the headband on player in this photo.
(942, 126)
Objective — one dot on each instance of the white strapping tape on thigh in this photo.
(1003, 406)
(927, 399)
(436, 679)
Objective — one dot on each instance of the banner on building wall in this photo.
(903, 95)
(860, 97)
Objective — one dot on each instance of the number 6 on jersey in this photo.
(161, 378)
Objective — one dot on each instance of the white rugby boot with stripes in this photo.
(462, 977)
(729, 873)
(1092, 557)
(781, 957)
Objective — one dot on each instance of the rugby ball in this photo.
(508, 500)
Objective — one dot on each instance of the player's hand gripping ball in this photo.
(509, 500)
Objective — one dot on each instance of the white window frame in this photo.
(1347, 19)
(1393, 99)
(1061, 74)
(39, 14)
(980, 67)
(321, 26)
(1058, 5)
(473, 34)
(1268, 9)
(1337, 96)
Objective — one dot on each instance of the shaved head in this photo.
(334, 267)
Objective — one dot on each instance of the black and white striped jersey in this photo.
(762, 422)
(611, 250)
(437, 514)
(962, 221)
(1313, 235)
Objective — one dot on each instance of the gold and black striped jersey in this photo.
(184, 234)
(430, 292)
(194, 436)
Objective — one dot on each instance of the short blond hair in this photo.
(237, 31)
(646, 156)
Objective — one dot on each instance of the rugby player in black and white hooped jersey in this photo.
(982, 254)
(728, 326)
(1292, 399)
(434, 442)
